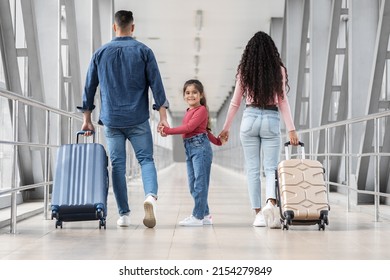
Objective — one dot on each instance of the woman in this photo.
(262, 82)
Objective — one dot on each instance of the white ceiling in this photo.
(170, 29)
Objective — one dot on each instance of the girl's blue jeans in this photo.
(199, 157)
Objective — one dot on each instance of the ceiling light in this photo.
(199, 19)
(196, 60)
(197, 44)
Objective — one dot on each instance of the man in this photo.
(125, 69)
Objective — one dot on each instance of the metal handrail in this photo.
(348, 156)
(227, 154)
(31, 102)
(16, 99)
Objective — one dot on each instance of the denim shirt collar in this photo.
(123, 38)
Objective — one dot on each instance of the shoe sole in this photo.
(190, 225)
(257, 225)
(122, 225)
(150, 219)
(276, 225)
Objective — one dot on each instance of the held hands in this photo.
(224, 136)
(160, 128)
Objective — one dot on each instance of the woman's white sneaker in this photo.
(259, 220)
(276, 222)
(268, 212)
(271, 215)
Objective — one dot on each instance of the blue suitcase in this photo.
(80, 186)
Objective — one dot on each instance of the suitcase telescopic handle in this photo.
(82, 132)
(288, 143)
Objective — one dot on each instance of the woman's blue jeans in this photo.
(199, 157)
(260, 132)
(140, 137)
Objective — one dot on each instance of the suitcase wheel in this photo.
(321, 225)
(285, 225)
(99, 212)
(55, 214)
(289, 216)
(326, 220)
(58, 224)
(324, 217)
(102, 223)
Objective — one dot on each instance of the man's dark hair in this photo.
(124, 19)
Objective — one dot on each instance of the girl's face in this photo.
(192, 96)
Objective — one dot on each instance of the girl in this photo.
(261, 82)
(196, 133)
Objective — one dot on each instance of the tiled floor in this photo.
(349, 236)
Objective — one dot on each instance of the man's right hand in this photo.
(88, 128)
(87, 124)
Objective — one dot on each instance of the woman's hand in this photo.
(224, 136)
(294, 140)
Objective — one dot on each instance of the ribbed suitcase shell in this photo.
(80, 184)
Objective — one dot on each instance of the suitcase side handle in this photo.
(286, 150)
(82, 132)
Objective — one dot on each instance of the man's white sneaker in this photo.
(191, 221)
(208, 220)
(268, 212)
(150, 212)
(259, 220)
(123, 221)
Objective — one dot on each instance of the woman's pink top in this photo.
(194, 122)
(282, 104)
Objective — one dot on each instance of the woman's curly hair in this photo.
(260, 70)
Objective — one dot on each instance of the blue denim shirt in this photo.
(125, 69)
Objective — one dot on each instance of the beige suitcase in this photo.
(301, 191)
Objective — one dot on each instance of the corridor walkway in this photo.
(349, 236)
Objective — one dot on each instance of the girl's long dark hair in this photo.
(260, 70)
(199, 86)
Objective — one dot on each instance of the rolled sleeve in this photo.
(82, 109)
(91, 84)
(165, 105)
